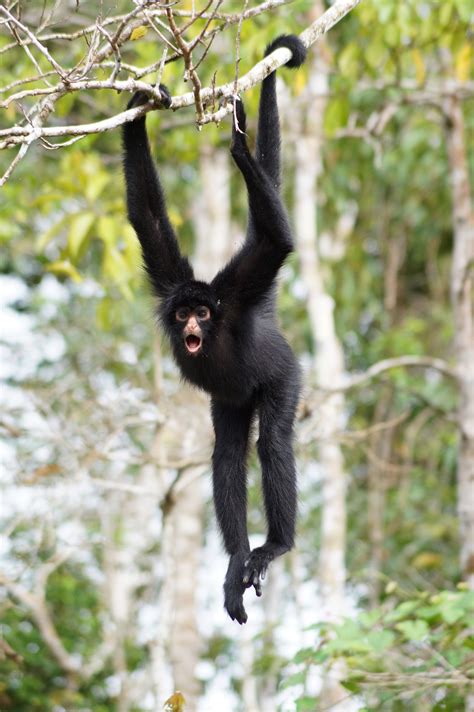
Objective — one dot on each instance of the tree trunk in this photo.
(328, 365)
(186, 536)
(462, 303)
(183, 524)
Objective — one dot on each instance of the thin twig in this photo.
(34, 40)
(21, 154)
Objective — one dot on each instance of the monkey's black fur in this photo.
(244, 363)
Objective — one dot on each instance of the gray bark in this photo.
(328, 364)
(463, 311)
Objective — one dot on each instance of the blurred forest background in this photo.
(111, 565)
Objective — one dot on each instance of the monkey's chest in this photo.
(224, 374)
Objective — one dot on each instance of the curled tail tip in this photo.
(294, 44)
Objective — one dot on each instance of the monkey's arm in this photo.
(268, 132)
(250, 273)
(146, 206)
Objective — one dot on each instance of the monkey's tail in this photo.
(294, 44)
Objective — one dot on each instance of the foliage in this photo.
(411, 650)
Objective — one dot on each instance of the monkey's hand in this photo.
(141, 97)
(234, 588)
(255, 568)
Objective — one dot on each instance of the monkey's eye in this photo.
(203, 313)
(182, 314)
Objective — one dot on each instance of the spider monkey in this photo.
(224, 335)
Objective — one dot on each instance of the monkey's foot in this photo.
(234, 589)
(255, 568)
(141, 97)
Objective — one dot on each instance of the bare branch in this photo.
(74, 80)
(34, 40)
(389, 364)
(155, 12)
(36, 604)
(21, 154)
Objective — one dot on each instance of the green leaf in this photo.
(64, 268)
(303, 655)
(375, 53)
(445, 13)
(386, 11)
(80, 226)
(306, 704)
(298, 678)
(380, 640)
(465, 9)
(337, 113)
(51, 233)
(402, 611)
(107, 229)
(138, 33)
(451, 610)
(104, 314)
(392, 35)
(369, 618)
(413, 630)
(349, 60)
(96, 184)
(352, 683)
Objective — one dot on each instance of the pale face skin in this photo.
(192, 332)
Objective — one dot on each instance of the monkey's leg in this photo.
(275, 449)
(232, 426)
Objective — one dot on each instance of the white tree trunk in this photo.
(328, 365)
(122, 558)
(185, 536)
(211, 213)
(462, 302)
(189, 429)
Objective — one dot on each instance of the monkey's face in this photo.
(191, 318)
(194, 324)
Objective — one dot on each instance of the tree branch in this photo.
(26, 134)
(36, 603)
(390, 363)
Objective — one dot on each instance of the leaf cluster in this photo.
(411, 647)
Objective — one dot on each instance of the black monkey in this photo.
(224, 335)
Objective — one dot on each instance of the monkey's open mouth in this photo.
(193, 344)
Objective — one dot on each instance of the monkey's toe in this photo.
(255, 569)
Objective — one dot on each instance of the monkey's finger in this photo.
(249, 576)
(165, 96)
(258, 588)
